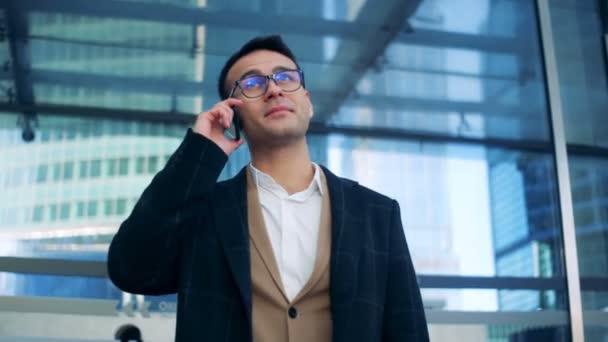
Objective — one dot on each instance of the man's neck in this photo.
(288, 165)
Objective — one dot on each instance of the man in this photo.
(284, 251)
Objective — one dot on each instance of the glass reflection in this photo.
(475, 76)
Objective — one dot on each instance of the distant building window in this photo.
(38, 214)
(41, 173)
(109, 207)
(95, 168)
(152, 164)
(112, 165)
(140, 165)
(123, 168)
(84, 168)
(56, 171)
(80, 209)
(121, 206)
(53, 212)
(64, 212)
(68, 170)
(92, 209)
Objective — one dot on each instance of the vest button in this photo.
(292, 312)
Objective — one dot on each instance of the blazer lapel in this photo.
(346, 241)
(323, 242)
(259, 234)
(230, 214)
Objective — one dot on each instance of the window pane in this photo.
(41, 173)
(581, 58)
(84, 164)
(124, 166)
(65, 211)
(108, 207)
(95, 168)
(489, 84)
(453, 197)
(111, 167)
(121, 206)
(38, 214)
(591, 218)
(81, 208)
(92, 209)
(68, 170)
(580, 51)
(152, 164)
(140, 165)
(53, 212)
(56, 171)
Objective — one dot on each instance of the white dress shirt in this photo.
(292, 223)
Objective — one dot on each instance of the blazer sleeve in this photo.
(404, 318)
(144, 254)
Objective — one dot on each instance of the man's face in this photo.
(278, 116)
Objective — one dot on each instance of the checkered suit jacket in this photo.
(188, 234)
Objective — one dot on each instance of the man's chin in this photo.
(281, 135)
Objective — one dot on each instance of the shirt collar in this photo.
(265, 181)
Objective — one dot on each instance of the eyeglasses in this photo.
(256, 85)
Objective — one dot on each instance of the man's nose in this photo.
(273, 90)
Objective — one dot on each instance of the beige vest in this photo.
(272, 311)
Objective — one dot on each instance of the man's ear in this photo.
(311, 111)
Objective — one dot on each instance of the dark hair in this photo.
(273, 43)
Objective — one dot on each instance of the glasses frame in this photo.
(237, 84)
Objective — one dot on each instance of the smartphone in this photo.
(234, 131)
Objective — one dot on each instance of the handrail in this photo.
(98, 269)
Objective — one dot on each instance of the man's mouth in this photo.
(277, 109)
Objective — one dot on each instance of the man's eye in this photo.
(252, 82)
(285, 76)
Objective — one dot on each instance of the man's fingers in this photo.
(226, 114)
(233, 102)
(220, 115)
(213, 123)
(214, 116)
(223, 112)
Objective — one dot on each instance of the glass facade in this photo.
(447, 113)
(580, 53)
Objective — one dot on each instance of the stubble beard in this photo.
(278, 136)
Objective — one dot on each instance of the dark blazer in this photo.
(189, 234)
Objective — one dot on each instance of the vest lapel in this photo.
(259, 234)
(323, 243)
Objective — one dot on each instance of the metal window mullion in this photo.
(563, 177)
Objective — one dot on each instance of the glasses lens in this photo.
(253, 86)
(288, 80)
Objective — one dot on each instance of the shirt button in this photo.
(292, 312)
